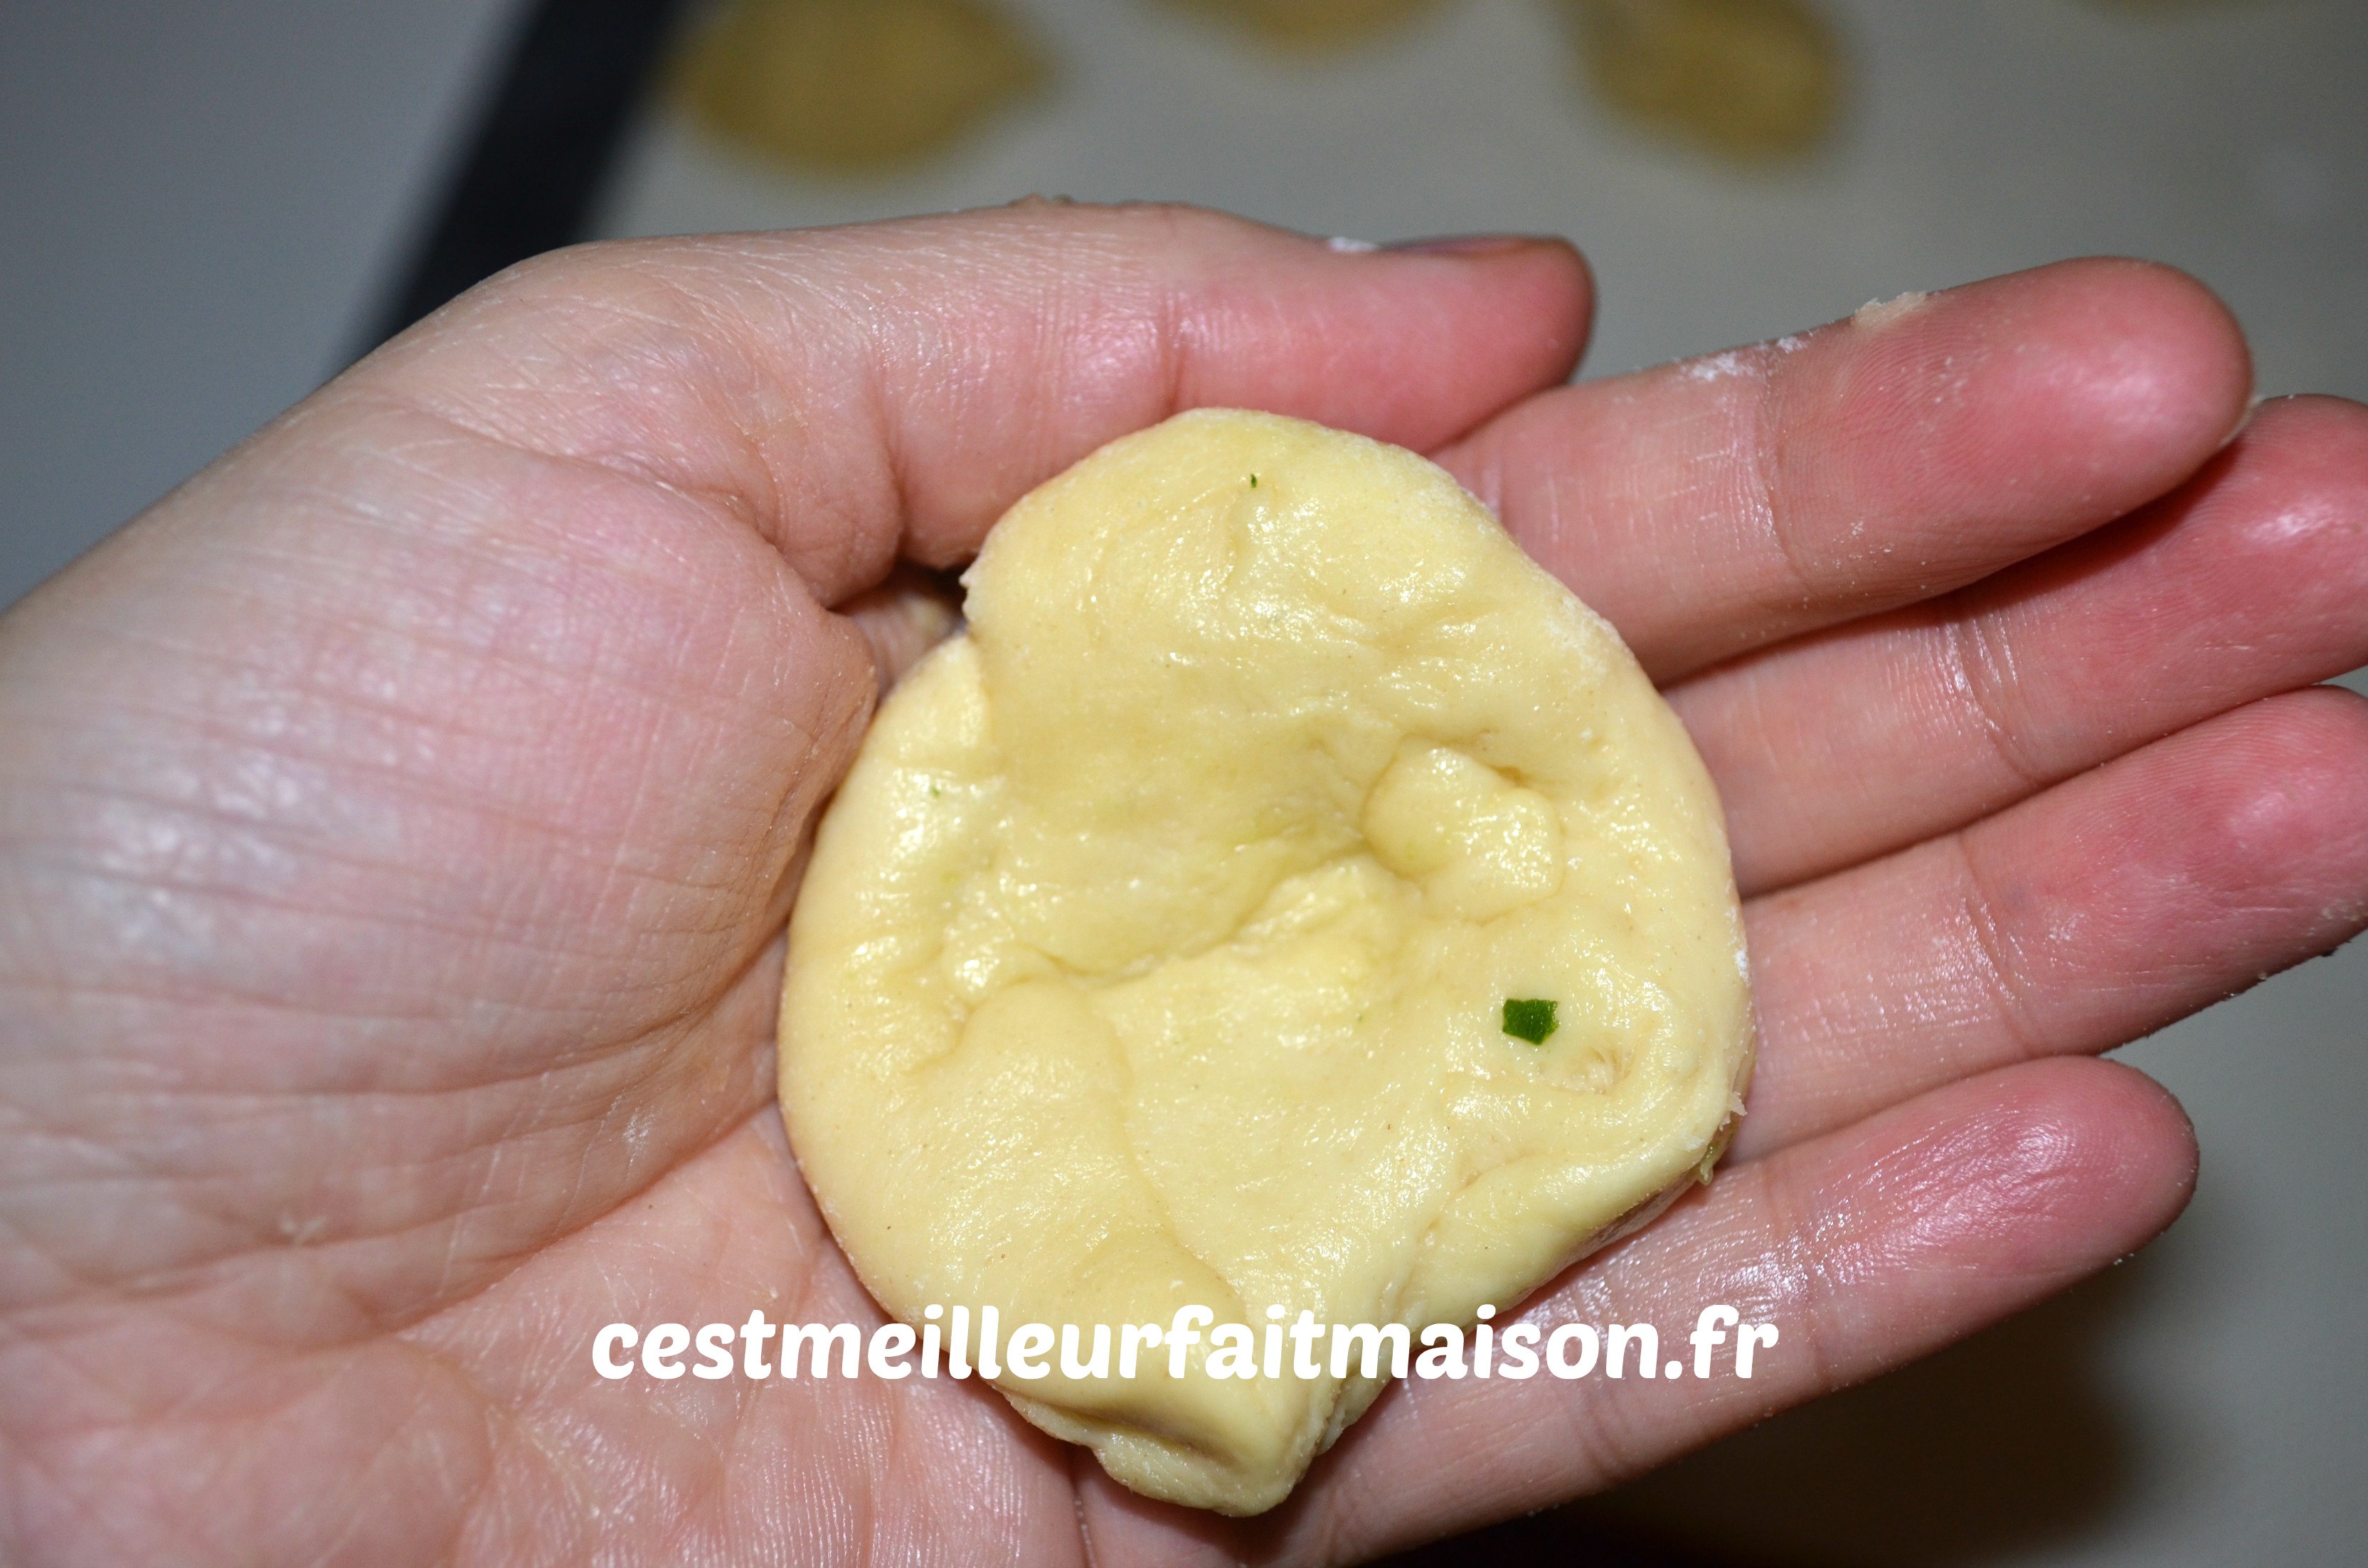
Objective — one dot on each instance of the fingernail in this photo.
(1462, 245)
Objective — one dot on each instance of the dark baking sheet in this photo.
(532, 169)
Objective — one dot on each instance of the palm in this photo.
(411, 807)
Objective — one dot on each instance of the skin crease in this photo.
(397, 823)
(2004, 678)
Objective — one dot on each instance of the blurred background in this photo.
(210, 209)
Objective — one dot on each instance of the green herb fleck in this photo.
(1254, 481)
(1532, 1021)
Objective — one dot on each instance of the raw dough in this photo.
(856, 86)
(1157, 948)
(1753, 79)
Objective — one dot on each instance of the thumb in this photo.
(860, 391)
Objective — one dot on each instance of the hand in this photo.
(397, 826)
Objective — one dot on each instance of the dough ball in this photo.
(1749, 78)
(1285, 894)
(854, 86)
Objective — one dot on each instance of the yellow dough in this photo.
(1156, 949)
(1753, 79)
(856, 86)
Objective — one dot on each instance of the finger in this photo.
(1865, 1248)
(2250, 579)
(861, 391)
(1718, 505)
(2074, 922)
